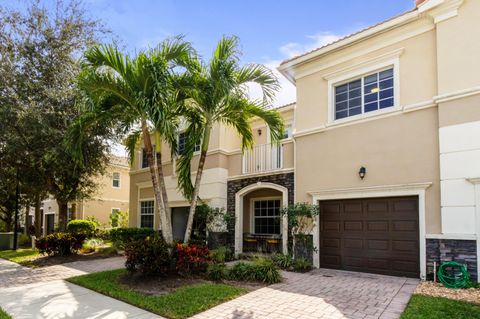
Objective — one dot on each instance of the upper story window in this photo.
(369, 93)
(116, 180)
(288, 132)
(182, 143)
(144, 157)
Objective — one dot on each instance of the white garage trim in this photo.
(415, 189)
(476, 182)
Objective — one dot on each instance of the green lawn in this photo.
(20, 256)
(182, 303)
(4, 315)
(427, 307)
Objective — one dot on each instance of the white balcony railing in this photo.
(262, 158)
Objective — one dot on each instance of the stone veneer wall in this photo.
(462, 251)
(285, 180)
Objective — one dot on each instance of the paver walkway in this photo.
(42, 294)
(322, 293)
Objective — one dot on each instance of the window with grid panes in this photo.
(366, 94)
(266, 216)
(146, 213)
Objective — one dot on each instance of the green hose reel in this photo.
(453, 275)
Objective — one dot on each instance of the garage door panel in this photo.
(405, 225)
(331, 226)
(405, 245)
(377, 225)
(372, 235)
(331, 243)
(355, 243)
(377, 244)
(353, 225)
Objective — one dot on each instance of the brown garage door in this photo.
(377, 235)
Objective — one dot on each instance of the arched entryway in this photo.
(250, 202)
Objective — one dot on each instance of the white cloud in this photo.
(292, 49)
(287, 93)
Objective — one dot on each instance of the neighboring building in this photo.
(385, 141)
(111, 197)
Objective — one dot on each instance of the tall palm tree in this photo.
(136, 96)
(218, 93)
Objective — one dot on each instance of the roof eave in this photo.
(287, 68)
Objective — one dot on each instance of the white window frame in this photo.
(252, 213)
(360, 72)
(114, 179)
(139, 220)
(196, 152)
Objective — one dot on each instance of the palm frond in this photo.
(262, 76)
(131, 143)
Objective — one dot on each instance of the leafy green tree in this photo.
(137, 96)
(218, 93)
(39, 50)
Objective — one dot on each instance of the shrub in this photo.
(217, 272)
(92, 244)
(60, 244)
(221, 255)
(24, 240)
(122, 236)
(241, 271)
(81, 226)
(265, 270)
(149, 255)
(192, 258)
(103, 234)
(282, 261)
(300, 264)
(261, 269)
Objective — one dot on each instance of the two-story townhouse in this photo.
(252, 186)
(111, 196)
(387, 127)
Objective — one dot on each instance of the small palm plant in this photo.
(217, 93)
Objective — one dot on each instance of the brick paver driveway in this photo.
(322, 293)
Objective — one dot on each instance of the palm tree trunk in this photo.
(161, 181)
(198, 179)
(167, 236)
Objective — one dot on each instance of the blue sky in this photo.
(270, 31)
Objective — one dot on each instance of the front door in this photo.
(50, 223)
(179, 222)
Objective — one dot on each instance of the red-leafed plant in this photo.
(192, 258)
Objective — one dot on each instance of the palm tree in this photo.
(217, 93)
(136, 96)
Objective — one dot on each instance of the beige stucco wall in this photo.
(417, 77)
(395, 150)
(459, 49)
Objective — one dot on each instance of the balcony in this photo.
(262, 158)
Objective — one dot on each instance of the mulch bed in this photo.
(161, 285)
(45, 260)
(433, 289)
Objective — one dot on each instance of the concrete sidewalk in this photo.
(60, 299)
(42, 294)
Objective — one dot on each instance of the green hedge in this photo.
(121, 236)
(82, 226)
(60, 244)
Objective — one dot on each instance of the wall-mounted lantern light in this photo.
(362, 172)
(259, 131)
